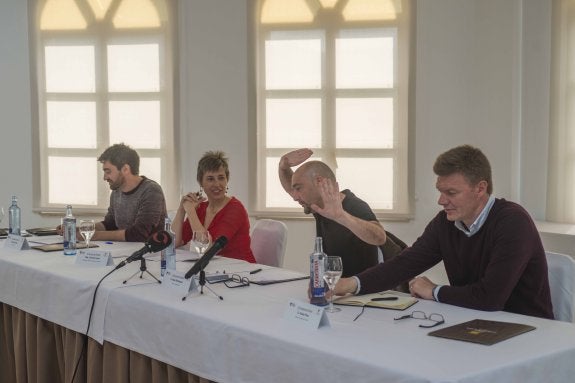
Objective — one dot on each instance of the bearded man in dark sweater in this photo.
(490, 247)
(137, 204)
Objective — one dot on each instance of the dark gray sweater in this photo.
(140, 211)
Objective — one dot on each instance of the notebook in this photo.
(60, 246)
(481, 331)
(383, 300)
(39, 231)
(271, 276)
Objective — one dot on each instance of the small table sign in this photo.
(94, 258)
(306, 314)
(175, 280)
(16, 242)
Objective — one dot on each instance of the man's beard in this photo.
(116, 184)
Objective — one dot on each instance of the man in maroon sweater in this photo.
(490, 247)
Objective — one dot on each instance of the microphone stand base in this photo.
(143, 269)
(202, 283)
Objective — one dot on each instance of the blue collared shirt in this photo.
(479, 221)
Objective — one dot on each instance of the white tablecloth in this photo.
(244, 338)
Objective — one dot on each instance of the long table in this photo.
(244, 337)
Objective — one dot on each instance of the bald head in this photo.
(313, 169)
(305, 181)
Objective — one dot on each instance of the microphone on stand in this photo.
(158, 241)
(209, 254)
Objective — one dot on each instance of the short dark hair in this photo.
(120, 155)
(467, 160)
(212, 161)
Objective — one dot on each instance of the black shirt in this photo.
(356, 255)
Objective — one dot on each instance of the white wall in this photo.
(213, 73)
(481, 78)
(15, 123)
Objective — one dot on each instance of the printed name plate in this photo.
(94, 258)
(16, 242)
(175, 280)
(306, 314)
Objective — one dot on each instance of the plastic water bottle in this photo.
(14, 217)
(168, 255)
(316, 270)
(69, 232)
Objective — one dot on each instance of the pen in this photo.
(384, 299)
(255, 271)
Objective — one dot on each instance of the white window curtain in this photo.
(103, 76)
(561, 182)
(333, 76)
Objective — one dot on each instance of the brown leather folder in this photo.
(482, 331)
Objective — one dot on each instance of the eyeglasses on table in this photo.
(434, 317)
(237, 281)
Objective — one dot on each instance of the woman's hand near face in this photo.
(191, 201)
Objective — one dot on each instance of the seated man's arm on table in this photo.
(368, 231)
(110, 232)
(414, 260)
(149, 215)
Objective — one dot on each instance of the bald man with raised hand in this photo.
(347, 224)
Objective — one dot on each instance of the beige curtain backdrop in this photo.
(33, 350)
(561, 181)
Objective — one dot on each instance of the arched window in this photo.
(104, 76)
(332, 76)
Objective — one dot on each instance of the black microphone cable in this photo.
(85, 343)
(153, 244)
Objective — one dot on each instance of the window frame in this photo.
(101, 37)
(403, 30)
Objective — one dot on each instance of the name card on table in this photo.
(16, 242)
(94, 258)
(306, 314)
(175, 280)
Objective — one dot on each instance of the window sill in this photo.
(555, 228)
(78, 212)
(304, 217)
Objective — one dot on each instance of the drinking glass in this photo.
(332, 272)
(201, 240)
(87, 229)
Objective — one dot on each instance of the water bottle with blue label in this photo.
(69, 232)
(317, 268)
(14, 217)
(168, 255)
